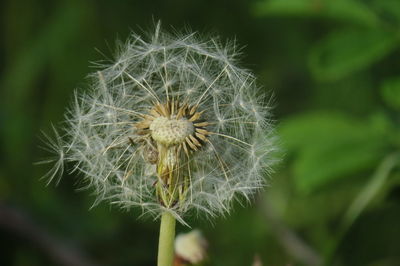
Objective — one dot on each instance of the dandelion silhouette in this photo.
(172, 125)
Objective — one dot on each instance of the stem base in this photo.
(166, 240)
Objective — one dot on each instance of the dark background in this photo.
(334, 68)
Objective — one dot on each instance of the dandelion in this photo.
(173, 126)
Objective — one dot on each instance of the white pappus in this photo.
(172, 124)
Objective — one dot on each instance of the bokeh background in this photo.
(334, 69)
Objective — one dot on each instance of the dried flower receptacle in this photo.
(172, 131)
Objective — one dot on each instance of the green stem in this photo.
(166, 240)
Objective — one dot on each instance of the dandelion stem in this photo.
(166, 240)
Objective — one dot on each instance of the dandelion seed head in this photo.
(172, 123)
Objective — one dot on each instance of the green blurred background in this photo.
(334, 68)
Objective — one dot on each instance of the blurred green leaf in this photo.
(24, 72)
(329, 146)
(371, 189)
(390, 91)
(344, 52)
(389, 10)
(347, 10)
